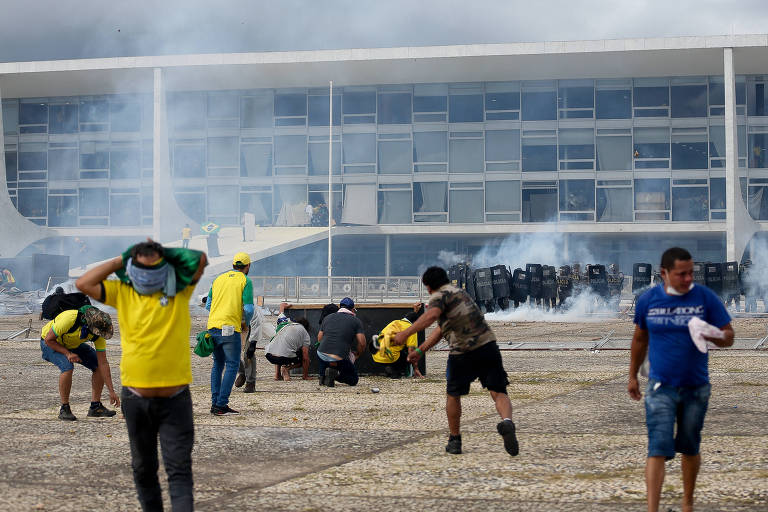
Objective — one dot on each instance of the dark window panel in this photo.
(540, 205)
(11, 166)
(466, 155)
(613, 104)
(430, 103)
(256, 112)
(502, 101)
(394, 108)
(318, 158)
(540, 158)
(717, 196)
(290, 150)
(577, 195)
(614, 153)
(689, 101)
(651, 97)
(430, 147)
(394, 207)
(652, 194)
(614, 205)
(758, 157)
(502, 196)
(689, 155)
(290, 104)
(94, 111)
(187, 111)
(690, 203)
(394, 157)
(63, 119)
(124, 164)
(62, 164)
(359, 148)
(33, 161)
(223, 106)
(430, 197)
(716, 93)
(539, 106)
(62, 210)
(502, 145)
(359, 103)
(576, 97)
(318, 110)
(32, 202)
(465, 108)
(466, 206)
(757, 202)
(33, 113)
(94, 202)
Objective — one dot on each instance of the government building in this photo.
(616, 147)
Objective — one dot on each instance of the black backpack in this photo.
(58, 302)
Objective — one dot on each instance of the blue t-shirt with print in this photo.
(674, 358)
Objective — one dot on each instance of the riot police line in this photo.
(498, 288)
(542, 286)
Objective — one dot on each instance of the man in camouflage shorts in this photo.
(473, 354)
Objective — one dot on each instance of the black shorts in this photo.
(283, 361)
(483, 363)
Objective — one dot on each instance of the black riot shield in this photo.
(519, 286)
(731, 279)
(713, 274)
(533, 270)
(548, 285)
(500, 279)
(641, 277)
(564, 284)
(484, 288)
(698, 273)
(598, 280)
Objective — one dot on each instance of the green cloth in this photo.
(184, 261)
(204, 346)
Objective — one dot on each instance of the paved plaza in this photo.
(300, 447)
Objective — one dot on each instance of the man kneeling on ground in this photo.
(63, 341)
(473, 354)
(289, 348)
(338, 334)
(391, 357)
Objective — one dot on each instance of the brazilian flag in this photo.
(210, 228)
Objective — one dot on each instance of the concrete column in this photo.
(739, 225)
(16, 231)
(387, 255)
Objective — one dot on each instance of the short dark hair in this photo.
(304, 323)
(435, 277)
(146, 249)
(673, 254)
(239, 267)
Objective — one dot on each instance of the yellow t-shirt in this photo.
(186, 233)
(154, 338)
(70, 340)
(389, 353)
(227, 295)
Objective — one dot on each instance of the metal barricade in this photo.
(362, 289)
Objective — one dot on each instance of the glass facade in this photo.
(606, 150)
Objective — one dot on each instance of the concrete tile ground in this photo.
(300, 447)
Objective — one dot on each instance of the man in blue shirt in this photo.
(678, 382)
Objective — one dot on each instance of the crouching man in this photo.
(64, 341)
(340, 334)
(289, 348)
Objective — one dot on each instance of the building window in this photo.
(689, 101)
(256, 159)
(394, 205)
(717, 199)
(651, 148)
(539, 150)
(318, 155)
(430, 103)
(576, 99)
(651, 97)
(539, 202)
(359, 153)
(577, 200)
(256, 111)
(613, 99)
(394, 157)
(614, 150)
(192, 202)
(652, 199)
(690, 203)
(188, 160)
(689, 148)
(502, 201)
(222, 152)
(290, 154)
(223, 105)
(63, 119)
(359, 107)
(430, 201)
(259, 204)
(187, 110)
(466, 203)
(10, 117)
(757, 141)
(614, 201)
(290, 109)
(717, 147)
(502, 104)
(576, 149)
(430, 151)
(125, 117)
(465, 108)
(288, 200)
(62, 164)
(94, 202)
(222, 204)
(32, 202)
(466, 154)
(539, 103)
(502, 150)
(33, 156)
(757, 201)
(318, 110)
(394, 108)
(62, 209)
(125, 162)
(124, 209)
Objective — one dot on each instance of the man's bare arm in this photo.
(638, 351)
(90, 282)
(424, 321)
(360, 343)
(727, 341)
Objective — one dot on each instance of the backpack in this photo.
(59, 302)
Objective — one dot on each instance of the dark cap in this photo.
(98, 322)
(348, 303)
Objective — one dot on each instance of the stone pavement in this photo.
(297, 446)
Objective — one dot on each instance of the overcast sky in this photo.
(57, 29)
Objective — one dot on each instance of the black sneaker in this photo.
(321, 379)
(224, 411)
(507, 430)
(250, 387)
(65, 413)
(213, 409)
(453, 446)
(330, 376)
(100, 412)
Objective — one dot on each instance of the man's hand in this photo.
(414, 356)
(633, 388)
(251, 350)
(73, 358)
(114, 399)
(399, 339)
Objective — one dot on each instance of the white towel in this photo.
(698, 328)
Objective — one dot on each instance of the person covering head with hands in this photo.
(678, 382)
(64, 341)
(230, 301)
(473, 354)
(152, 296)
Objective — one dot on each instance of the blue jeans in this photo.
(665, 405)
(84, 351)
(347, 371)
(226, 360)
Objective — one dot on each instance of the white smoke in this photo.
(449, 258)
(585, 307)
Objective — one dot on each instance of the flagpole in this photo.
(330, 185)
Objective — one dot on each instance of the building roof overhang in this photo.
(672, 56)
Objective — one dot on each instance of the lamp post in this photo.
(330, 185)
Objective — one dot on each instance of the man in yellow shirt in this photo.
(389, 356)
(186, 236)
(63, 342)
(153, 313)
(230, 301)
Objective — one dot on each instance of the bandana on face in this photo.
(672, 291)
(148, 280)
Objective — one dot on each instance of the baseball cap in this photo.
(346, 302)
(98, 322)
(283, 320)
(241, 259)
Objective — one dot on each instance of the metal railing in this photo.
(362, 289)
